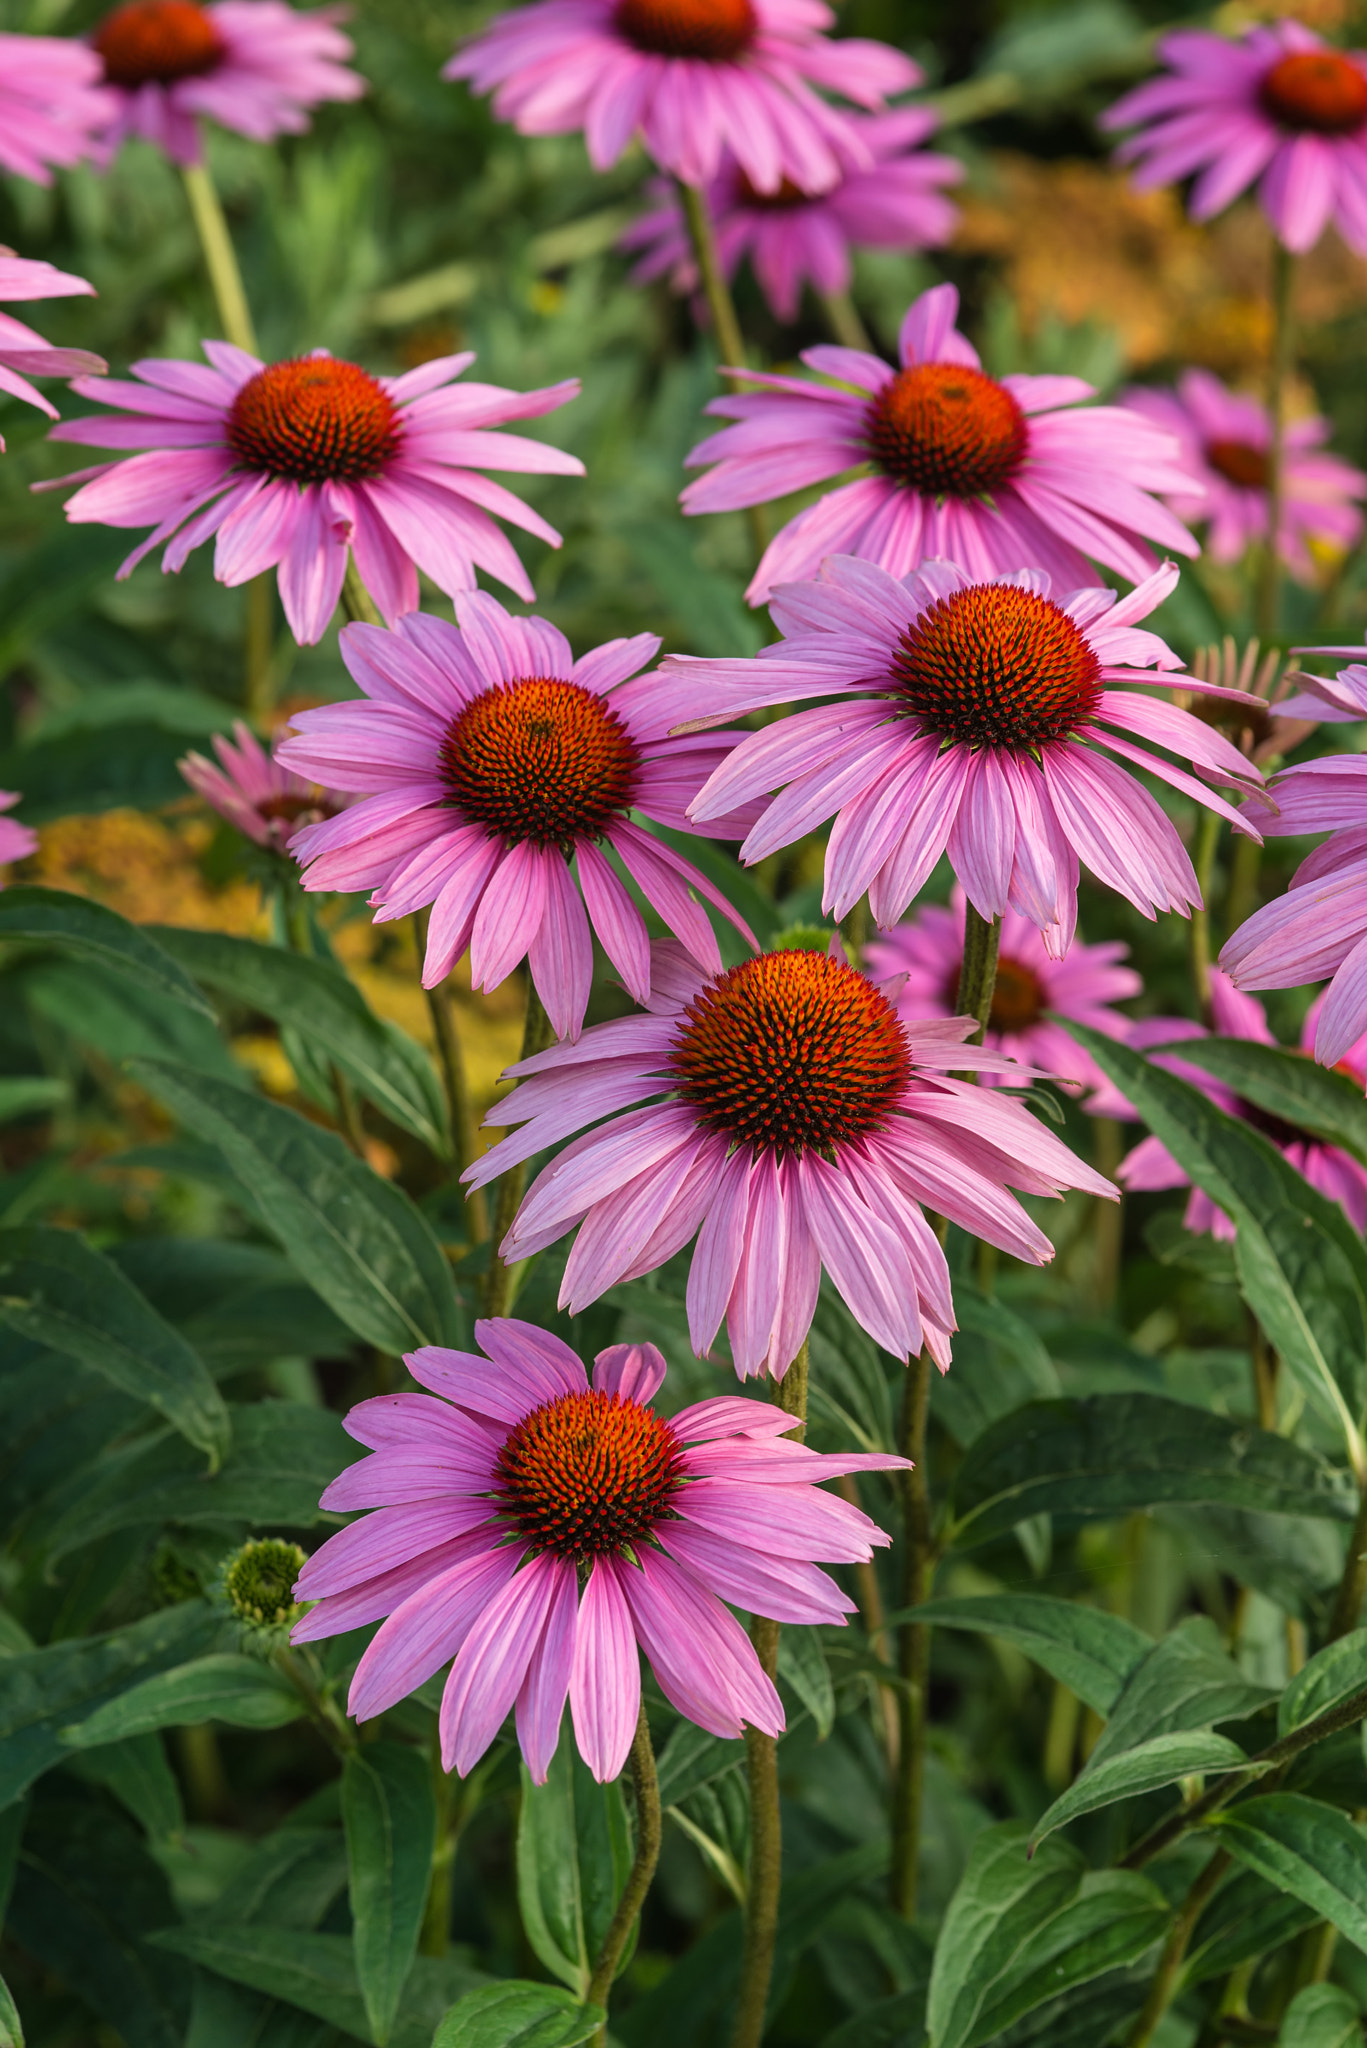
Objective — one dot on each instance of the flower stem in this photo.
(1207, 839)
(499, 1287)
(918, 1565)
(842, 317)
(1269, 588)
(647, 1789)
(978, 975)
(359, 606)
(348, 1119)
(459, 1108)
(1168, 1973)
(722, 306)
(761, 1756)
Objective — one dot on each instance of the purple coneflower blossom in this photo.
(983, 471)
(1319, 927)
(1277, 107)
(926, 955)
(800, 1125)
(1150, 1165)
(490, 759)
(17, 841)
(1226, 438)
(52, 105)
(794, 238)
(692, 78)
(255, 66)
(536, 1529)
(292, 463)
(966, 717)
(255, 793)
(24, 353)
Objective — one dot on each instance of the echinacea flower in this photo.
(989, 472)
(1225, 439)
(24, 353)
(255, 793)
(490, 759)
(800, 1124)
(926, 953)
(966, 717)
(17, 841)
(294, 463)
(1151, 1166)
(1319, 927)
(1277, 107)
(692, 78)
(52, 105)
(532, 1529)
(793, 238)
(255, 66)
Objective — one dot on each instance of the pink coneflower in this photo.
(1225, 439)
(255, 793)
(926, 955)
(255, 66)
(24, 353)
(692, 78)
(1150, 1165)
(17, 841)
(801, 1125)
(293, 463)
(490, 759)
(987, 472)
(793, 238)
(52, 105)
(1276, 106)
(1319, 927)
(537, 1529)
(966, 717)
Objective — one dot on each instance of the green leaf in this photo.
(1089, 1651)
(1111, 1454)
(242, 1691)
(802, 1665)
(77, 924)
(1116, 1917)
(1307, 1848)
(21, 1095)
(1148, 1767)
(1318, 1100)
(1004, 1365)
(573, 1859)
(107, 1012)
(391, 1823)
(11, 2027)
(315, 998)
(120, 745)
(1247, 1917)
(136, 1771)
(1187, 1680)
(359, 1240)
(1321, 2016)
(518, 2015)
(57, 1291)
(1337, 1671)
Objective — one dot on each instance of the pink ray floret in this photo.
(255, 66)
(293, 465)
(1150, 1165)
(793, 238)
(974, 718)
(489, 761)
(1226, 439)
(52, 105)
(1319, 927)
(987, 472)
(925, 956)
(23, 352)
(17, 841)
(783, 1114)
(1278, 108)
(693, 79)
(531, 1529)
(254, 792)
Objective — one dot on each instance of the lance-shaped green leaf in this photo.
(391, 1823)
(1247, 1917)
(1307, 1848)
(1315, 1099)
(1321, 2016)
(136, 1771)
(58, 1291)
(77, 924)
(1187, 1680)
(11, 2027)
(802, 1665)
(1086, 1649)
(314, 998)
(1148, 1767)
(358, 1239)
(1112, 1454)
(1116, 1917)
(518, 2015)
(1331, 1676)
(573, 1859)
(242, 1691)
(22, 1094)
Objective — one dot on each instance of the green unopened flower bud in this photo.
(258, 1581)
(802, 938)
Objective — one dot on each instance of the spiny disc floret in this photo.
(156, 42)
(588, 1475)
(996, 666)
(1316, 92)
(715, 31)
(541, 759)
(314, 420)
(948, 430)
(790, 1051)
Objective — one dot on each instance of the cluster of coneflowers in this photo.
(970, 689)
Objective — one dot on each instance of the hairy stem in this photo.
(359, 606)
(722, 307)
(499, 1287)
(642, 1871)
(1269, 586)
(978, 974)
(842, 317)
(761, 1756)
(1166, 1976)
(869, 1594)
(1207, 839)
(1353, 1584)
(913, 1659)
(1108, 1219)
(459, 1108)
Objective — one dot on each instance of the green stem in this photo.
(499, 1288)
(1269, 587)
(647, 1787)
(1353, 1584)
(259, 692)
(1207, 839)
(766, 1832)
(918, 1566)
(722, 306)
(1165, 1979)
(856, 931)
(842, 317)
(333, 1726)
(459, 1108)
(359, 606)
(1243, 880)
(978, 974)
(220, 259)
(1109, 1220)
